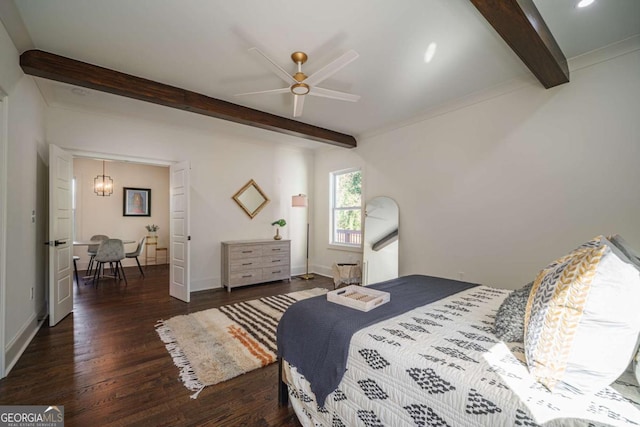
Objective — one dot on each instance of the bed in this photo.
(430, 364)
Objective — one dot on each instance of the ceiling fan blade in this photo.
(331, 68)
(283, 90)
(333, 94)
(298, 104)
(278, 70)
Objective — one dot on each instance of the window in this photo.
(346, 207)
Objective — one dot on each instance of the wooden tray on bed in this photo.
(358, 297)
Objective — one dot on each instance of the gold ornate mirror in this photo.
(251, 198)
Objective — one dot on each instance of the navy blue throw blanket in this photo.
(314, 334)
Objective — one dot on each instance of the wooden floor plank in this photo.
(106, 364)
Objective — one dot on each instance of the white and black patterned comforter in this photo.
(441, 365)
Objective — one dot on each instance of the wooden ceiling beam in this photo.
(54, 67)
(519, 23)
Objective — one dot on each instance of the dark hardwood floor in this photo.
(106, 364)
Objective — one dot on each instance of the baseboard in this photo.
(205, 284)
(21, 341)
(313, 269)
(323, 270)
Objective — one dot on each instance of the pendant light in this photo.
(103, 184)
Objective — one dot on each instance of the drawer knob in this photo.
(276, 260)
(247, 263)
(247, 252)
(247, 275)
(276, 272)
(276, 249)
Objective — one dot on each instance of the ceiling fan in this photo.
(300, 84)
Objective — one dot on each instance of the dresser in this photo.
(246, 262)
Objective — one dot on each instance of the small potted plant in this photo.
(280, 223)
(152, 228)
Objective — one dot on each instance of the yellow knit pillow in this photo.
(581, 320)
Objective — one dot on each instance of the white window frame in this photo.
(333, 209)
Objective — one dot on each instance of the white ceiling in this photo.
(202, 46)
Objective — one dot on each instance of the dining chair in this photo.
(138, 252)
(75, 269)
(93, 249)
(109, 251)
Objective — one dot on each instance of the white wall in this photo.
(103, 215)
(499, 188)
(223, 157)
(27, 183)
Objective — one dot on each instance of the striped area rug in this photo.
(218, 344)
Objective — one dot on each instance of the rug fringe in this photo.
(187, 375)
(195, 395)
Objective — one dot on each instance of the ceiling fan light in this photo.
(300, 89)
(299, 84)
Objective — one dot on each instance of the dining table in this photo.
(97, 242)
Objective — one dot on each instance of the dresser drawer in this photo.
(275, 248)
(246, 277)
(242, 264)
(245, 251)
(280, 272)
(274, 260)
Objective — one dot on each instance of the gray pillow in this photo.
(509, 324)
(627, 250)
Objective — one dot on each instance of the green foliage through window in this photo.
(347, 207)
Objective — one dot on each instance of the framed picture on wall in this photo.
(136, 201)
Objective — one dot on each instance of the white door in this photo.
(60, 237)
(179, 285)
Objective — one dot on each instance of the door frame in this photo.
(118, 157)
(4, 114)
(131, 159)
(4, 137)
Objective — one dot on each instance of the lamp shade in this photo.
(299, 201)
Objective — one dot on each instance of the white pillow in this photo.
(582, 321)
